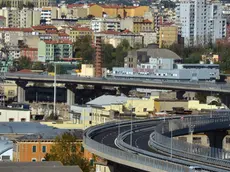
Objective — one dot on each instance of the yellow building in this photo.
(87, 70)
(80, 32)
(142, 26)
(116, 10)
(10, 90)
(168, 35)
(196, 105)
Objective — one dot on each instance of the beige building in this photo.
(115, 38)
(19, 3)
(12, 16)
(149, 37)
(14, 115)
(29, 17)
(87, 70)
(168, 35)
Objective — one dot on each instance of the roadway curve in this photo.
(141, 133)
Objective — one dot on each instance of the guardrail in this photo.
(160, 139)
(127, 147)
(137, 161)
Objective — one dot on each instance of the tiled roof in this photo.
(43, 27)
(52, 31)
(74, 5)
(25, 71)
(118, 6)
(62, 34)
(58, 42)
(82, 29)
(15, 29)
(109, 99)
(110, 32)
(29, 49)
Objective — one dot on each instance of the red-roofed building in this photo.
(31, 53)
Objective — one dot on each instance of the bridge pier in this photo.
(21, 85)
(123, 90)
(216, 140)
(70, 93)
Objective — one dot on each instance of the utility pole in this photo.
(55, 88)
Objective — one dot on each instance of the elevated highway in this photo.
(105, 141)
(153, 84)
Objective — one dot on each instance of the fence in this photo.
(161, 141)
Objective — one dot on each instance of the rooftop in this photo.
(5, 145)
(58, 42)
(43, 27)
(41, 168)
(109, 99)
(82, 29)
(159, 52)
(23, 128)
(51, 135)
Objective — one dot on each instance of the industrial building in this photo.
(168, 69)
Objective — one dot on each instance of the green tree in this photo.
(38, 66)
(22, 63)
(121, 52)
(65, 149)
(108, 55)
(83, 49)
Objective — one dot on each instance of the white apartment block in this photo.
(12, 16)
(48, 13)
(99, 25)
(29, 17)
(201, 21)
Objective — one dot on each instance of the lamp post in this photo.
(131, 124)
(171, 154)
(119, 118)
(55, 88)
(191, 130)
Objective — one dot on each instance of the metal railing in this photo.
(116, 155)
(161, 139)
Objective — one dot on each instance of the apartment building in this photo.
(116, 10)
(31, 53)
(76, 32)
(34, 147)
(149, 37)
(48, 13)
(12, 16)
(168, 35)
(115, 38)
(29, 17)
(37, 3)
(201, 21)
(103, 24)
(50, 50)
(73, 11)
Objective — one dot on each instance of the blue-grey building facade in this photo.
(167, 69)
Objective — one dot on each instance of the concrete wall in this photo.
(167, 105)
(15, 114)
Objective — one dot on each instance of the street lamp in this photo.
(191, 130)
(170, 124)
(131, 126)
(55, 88)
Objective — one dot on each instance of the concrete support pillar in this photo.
(70, 93)
(123, 90)
(216, 140)
(179, 95)
(21, 94)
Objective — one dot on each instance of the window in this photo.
(196, 140)
(23, 119)
(227, 140)
(145, 110)
(90, 122)
(11, 119)
(5, 158)
(34, 159)
(34, 149)
(43, 159)
(133, 109)
(44, 149)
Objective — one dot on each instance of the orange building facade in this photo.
(116, 10)
(35, 150)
